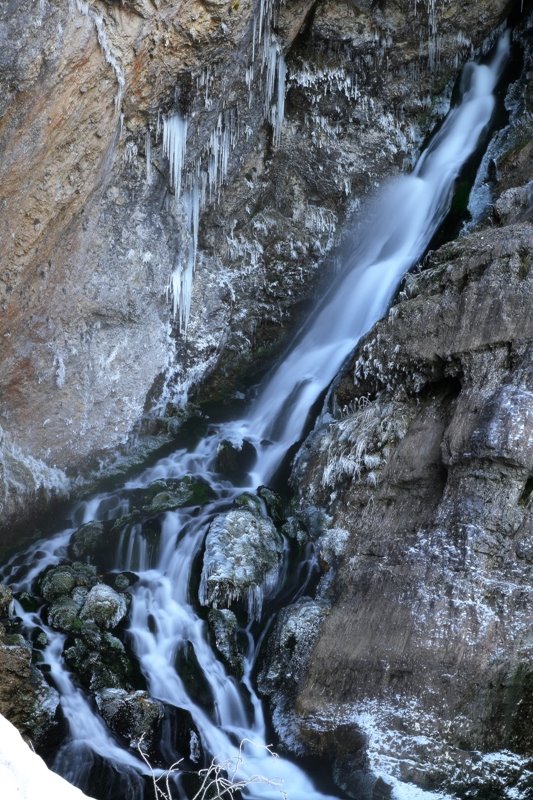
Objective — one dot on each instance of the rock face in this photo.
(283, 135)
(427, 650)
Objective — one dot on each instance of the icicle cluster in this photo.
(174, 143)
(202, 183)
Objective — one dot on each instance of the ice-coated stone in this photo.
(104, 606)
(99, 660)
(284, 659)
(243, 554)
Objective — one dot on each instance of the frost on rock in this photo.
(104, 606)
(359, 446)
(399, 757)
(242, 561)
(18, 470)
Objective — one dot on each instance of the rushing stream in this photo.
(163, 617)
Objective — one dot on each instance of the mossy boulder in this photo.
(61, 580)
(104, 606)
(63, 615)
(100, 660)
(167, 495)
(88, 541)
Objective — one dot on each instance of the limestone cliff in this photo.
(422, 668)
(293, 111)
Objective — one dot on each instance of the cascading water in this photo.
(164, 616)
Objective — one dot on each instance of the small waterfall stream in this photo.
(163, 618)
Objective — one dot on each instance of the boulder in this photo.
(99, 660)
(88, 541)
(242, 561)
(284, 660)
(26, 699)
(135, 716)
(104, 606)
(61, 580)
(167, 495)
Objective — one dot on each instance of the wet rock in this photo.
(273, 503)
(124, 580)
(99, 660)
(166, 495)
(63, 579)
(104, 606)
(194, 679)
(133, 715)
(88, 541)
(234, 462)
(243, 555)
(250, 502)
(225, 626)
(26, 699)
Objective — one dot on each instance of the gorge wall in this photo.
(91, 226)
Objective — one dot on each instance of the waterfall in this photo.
(391, 235)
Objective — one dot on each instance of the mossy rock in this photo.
(6, 596)
(100, 661)
(251, 502)
(59, 581)
(167, 495)
(63, 615)
(88, 541)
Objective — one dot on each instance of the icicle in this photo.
(279, 111)
(174, 146)
(148, 157)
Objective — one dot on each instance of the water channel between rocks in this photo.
(148, 537)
